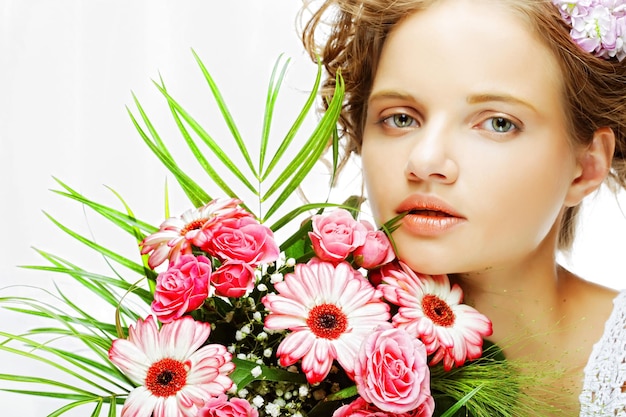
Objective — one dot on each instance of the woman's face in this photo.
(465, 130)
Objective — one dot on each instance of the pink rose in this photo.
(222, 407)
(392, 371)
(242, 239)
(360, 408)
(376, 250)
(182, 288)
(336, 235)
(233, 279)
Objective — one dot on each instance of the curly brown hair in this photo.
(353, 33)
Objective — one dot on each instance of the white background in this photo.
(67, 69)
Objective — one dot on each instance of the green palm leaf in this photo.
(97, 382)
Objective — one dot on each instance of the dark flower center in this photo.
(437, 310)
(327, 321)
(166, 377)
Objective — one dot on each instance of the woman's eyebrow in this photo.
(505, 98)
(390, 94)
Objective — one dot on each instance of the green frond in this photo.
(310, 153)
(194, 192)
(226, 114)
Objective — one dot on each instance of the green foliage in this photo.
(90, 379)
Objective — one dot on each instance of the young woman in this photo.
(488, 122)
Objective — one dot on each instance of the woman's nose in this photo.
(431, 157)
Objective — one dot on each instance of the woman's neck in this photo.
(542, 313)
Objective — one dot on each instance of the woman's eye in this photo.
(499, 124)
(399, 120)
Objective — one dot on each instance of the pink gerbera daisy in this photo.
(175, 375)
(176, 235)
(432, 310)
(330, 310)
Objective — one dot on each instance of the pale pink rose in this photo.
(360, 408)
(242, 239)
(392, 371)
(221, 406)
(233, 279)
(182, 288)
(336, 235)
(375, 251)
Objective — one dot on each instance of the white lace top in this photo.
(604, 390)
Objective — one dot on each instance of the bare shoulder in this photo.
(592, 294)
(590, 301)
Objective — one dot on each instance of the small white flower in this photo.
(241, 356)
(261, 287)
(277, 277)
(239, 335)
(245, 329)
(303, 391)
(257, 316)
(261, 336)
(267, 353)
(272, 409)
(288, 395)
(256, 371)
(258, 401)
(290, 262)
(243, 393)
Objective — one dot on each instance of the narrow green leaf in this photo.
(204, 163)
(71, 406)
(124, 221)
(457, 406)
(194, 192)
(133, 266)
(112, 409)
(208, 140)
(96, 411)
(242, 375)
(335, 150)
(43, 381)
(309, 155)
(343, 394)
(225, 113)
(289, 217)
(296, 125)
(272, 95)
(55, 364)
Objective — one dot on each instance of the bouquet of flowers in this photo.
(235, 322)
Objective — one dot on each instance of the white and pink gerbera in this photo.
(330, 310)
(177, 235)
(432, 310)
(174, 374)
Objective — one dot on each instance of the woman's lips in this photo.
(428, 215)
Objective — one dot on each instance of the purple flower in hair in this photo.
(597, 26)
